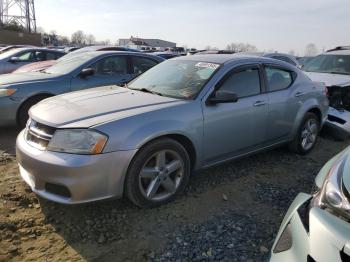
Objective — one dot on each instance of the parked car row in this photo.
(83, 70)
(115, 123)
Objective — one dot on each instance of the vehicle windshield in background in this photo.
(9, 53)
(176, 78)
(335, 64)
(67, 65)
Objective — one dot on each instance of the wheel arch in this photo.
(43, 94)
(182, 139)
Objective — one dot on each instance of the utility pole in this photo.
(21, 12)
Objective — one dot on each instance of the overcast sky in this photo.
(280, 25)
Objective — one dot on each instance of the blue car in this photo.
(18, 92)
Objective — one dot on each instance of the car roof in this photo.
(338, 52)
(37, 48)
(99, 53)
(225, 58)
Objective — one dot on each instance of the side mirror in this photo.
(14, 59)
(86, 72)
(222, 96)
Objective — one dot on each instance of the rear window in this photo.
(278, 79)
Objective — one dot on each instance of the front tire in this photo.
(23, 116)
(307, 135)
(158, 172)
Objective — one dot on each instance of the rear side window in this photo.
(278, 79)
(243, 83)
(53, 55)
(141, 64)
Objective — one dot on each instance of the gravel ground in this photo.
(228, 213)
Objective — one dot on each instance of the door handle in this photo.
(298, 94)
(259, 103)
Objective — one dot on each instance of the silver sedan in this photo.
(184, 114)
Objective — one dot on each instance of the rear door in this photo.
(284, 101)
(111, 70)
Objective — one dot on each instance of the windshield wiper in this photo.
(149, 91)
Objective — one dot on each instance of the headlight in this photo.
(333, 195)
(77, 141)
(7, 92)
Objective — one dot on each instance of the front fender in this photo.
(135, 131)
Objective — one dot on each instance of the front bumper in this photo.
(8, 111)
(326, 238)
(70, 178)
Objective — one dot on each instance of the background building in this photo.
(145, 44)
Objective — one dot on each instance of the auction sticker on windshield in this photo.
(207, 65)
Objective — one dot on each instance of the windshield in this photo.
(9, 53)
(335, 64)
(68, 65)
(175, 78)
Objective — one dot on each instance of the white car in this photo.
(333, 69)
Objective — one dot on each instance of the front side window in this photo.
(243, 83)
(141, 64)
(26, 56)
(113, 65)
(334, 64)
(278, 79)
(176, 78)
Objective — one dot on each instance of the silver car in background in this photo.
(316, 227)
(184, 114)
(290, 59)
(17, 57)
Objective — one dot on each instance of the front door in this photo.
(235, 128)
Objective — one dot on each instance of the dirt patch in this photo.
(231, 212)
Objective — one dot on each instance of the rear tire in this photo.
(307, 135)
(22, 116)
(158, 173)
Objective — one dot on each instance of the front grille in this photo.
(38, 135)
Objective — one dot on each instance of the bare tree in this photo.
(63, 40)
(90, 39)
(78, 38)
(241, 47)
(311, 50)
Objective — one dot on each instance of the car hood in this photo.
(95, 106)
(35, 66)
(329, 79)
(9, 79)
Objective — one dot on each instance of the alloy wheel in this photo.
(161, 175)
(309, 134)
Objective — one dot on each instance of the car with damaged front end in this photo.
(316, 226)
(187, 113)
(333, 69)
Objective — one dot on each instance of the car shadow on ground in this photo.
(8, 137)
